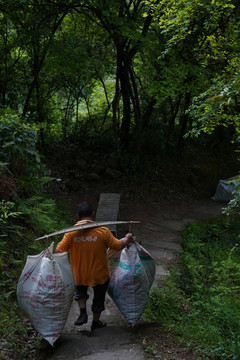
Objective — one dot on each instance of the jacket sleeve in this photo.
(112, 242)
(65, 243)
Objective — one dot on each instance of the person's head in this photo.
(85, 210)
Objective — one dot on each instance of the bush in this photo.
(165, 304)
(203, 303)
(37, 215)
(25, 212)
(20, 165)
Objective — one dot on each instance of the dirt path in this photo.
(159, 232)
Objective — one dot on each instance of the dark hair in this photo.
(84, 209)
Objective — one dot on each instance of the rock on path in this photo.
(160, 235)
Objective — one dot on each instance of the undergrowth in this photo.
(201, 303)
(19, 229)
(25, 214)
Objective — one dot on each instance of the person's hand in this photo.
(128, 239)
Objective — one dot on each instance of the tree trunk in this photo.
(39, 58)
(183, 122)
(147, 113)
(175, 109)
(40, 112)
(115, 108)
(126, 93)
(77, 106)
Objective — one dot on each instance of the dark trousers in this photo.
(99, 292)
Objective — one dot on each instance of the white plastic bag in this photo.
(132, 275)
(45, 291)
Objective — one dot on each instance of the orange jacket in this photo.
(88, 253)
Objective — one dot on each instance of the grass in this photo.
(202, 303)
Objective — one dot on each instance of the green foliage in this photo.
(210, 31)
(202, 303)
(234, 204)
(218, 105)
(7, 227)
(18, 140)
(6, 212)
(21, 331)
(25, 213)
(81, 69)
(21, 171)
(181, 20)
(19, 158)
(37, 215)
(42, 214)
(165, 304)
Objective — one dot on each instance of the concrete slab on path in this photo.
(108, 209)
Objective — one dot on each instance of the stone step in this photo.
(162, 245)
(162, 273)
(163, 255)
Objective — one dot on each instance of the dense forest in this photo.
(146, 90)
(124, 71)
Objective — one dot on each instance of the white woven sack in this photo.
(45, 291)
(132, 275)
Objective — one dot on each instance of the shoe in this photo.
(98, 324)
(82, 319)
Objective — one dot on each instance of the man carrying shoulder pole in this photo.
(88, 255)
